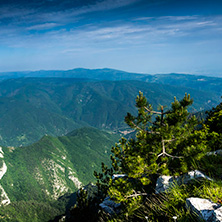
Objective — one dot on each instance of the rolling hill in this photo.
(200, 82)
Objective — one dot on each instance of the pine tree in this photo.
(214, 123)
(214, 119)
(166, 143)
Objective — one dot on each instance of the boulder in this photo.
(165, 182)
(109, 206)
(205, 209)
(217, 214)
(196, 174)
(217, 152)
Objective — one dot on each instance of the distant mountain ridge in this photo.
(95, 74)
(200, 82)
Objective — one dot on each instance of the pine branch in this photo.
(137, 195)
(167, 154)
(164, 153)
(152, 132)
(136, 126)
(155, 112)
(151, 111)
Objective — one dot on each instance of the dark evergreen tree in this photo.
(166, 143)
(214, 119)
(214, 123)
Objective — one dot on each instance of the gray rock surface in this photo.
(217, 214)
(217, 152)
(196, 174)
(165, 182)
(205, 209)
(109, 206)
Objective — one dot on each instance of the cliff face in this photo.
(4, 199)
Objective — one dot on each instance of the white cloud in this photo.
(111, 4)
(22, 13)
(158, 30)
(14, 12)
(43, 26)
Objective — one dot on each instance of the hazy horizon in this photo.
(140, 36)
(139, 73)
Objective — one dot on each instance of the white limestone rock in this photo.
(74, 179)
(217, 214)
(57, 180)
(4, 199)
(205, 209)
(117, 176)
(1, 153)
(165, 182)
(3, 170)
(196, 174)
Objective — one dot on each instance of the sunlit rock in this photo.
(165, 182)
(205, 209)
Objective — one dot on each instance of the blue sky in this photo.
(145, 36)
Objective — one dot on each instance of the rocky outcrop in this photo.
(1, 153)
(205, 209)
(109, 206)
(165, 182)
(217, 152)
(3, 170)
(217, 214)
(4, 199)
(72, 176)
(117, 176)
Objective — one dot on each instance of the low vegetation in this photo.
(173, 144)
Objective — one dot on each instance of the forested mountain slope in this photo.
(32, 107)
(199, 82)
(45, 171)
